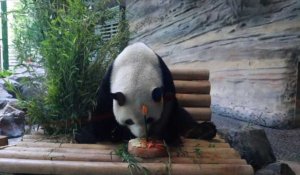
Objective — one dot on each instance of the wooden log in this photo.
(201, 143)
(206, 144)
(100, 155)
(194, 100)
(203, 114)
(50, 140)
(34, 136)
(104, 157)
(193, 160)
(189, 74)
(210, 148)
(190, 149)
(107, 168)
(67, 145)
(219, 143)
(216, 140)
(3, 140)
(97, 157)
(192, 87)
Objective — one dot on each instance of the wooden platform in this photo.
(37, 154)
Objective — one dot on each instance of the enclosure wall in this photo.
(251, 48)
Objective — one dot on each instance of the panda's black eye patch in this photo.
(157, 94)
(120, 97)
(129, 122)
(149, 120)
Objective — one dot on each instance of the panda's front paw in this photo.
(205, 130)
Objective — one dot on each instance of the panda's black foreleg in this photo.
(189, 128)
(104, 130)
(86, 134)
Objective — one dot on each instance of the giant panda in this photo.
(138, 77)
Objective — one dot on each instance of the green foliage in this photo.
(133, 164)
(12, 89)
(198, 151)
(5, 73)
(60, 35)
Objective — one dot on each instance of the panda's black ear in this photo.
(120, 97)
(157, 94)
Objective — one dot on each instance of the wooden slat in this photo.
(189, 74)
(67, 145)
(192, 87)
(194, 100)
(3, 140)
(218, 142)
(202, 114)
(100, 156)
(107, 168)
(109, 155)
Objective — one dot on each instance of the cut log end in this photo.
(3, 140)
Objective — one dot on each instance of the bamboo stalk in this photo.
(192, 87)
(194, 100)
(189, 74)
(3, 140)
(107, 168)
(203, 114)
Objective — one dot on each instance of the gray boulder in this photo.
(5, 97)
(12, 121)
(28, 83)
(277, 168)
(252, 144)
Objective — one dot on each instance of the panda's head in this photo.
(136, 81)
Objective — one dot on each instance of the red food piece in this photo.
(147, 149)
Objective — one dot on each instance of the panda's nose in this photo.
(145, 110)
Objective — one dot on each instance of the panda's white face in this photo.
(136, 80)
(130, 113)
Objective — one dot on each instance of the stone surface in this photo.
(285, 143)
(252, 144)
(5, 97)
(251, 48)
(277, 168)
(28, 82)
(12, 121)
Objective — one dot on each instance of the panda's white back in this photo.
(136, 72)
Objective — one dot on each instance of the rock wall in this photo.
(251, 48)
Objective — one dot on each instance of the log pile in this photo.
(37, 154)
(193, 91)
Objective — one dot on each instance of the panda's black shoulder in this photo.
(104, 98)
(166, 76)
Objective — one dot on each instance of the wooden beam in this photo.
(189, 74)
(3, 140)
(108, 168)
(192, 87)
(194, 100)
